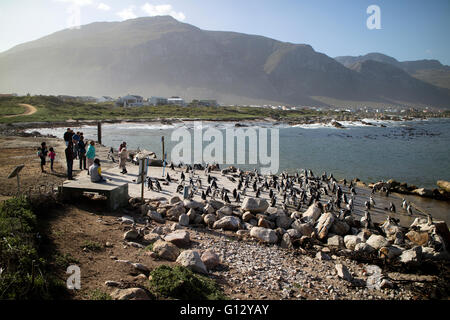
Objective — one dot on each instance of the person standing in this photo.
(69, 160)
(123, 155)
(42, 153)
(90, 154)
(52, 156)
(68, 136)
(82, 153)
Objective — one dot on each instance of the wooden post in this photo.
(163, 158)
(99, 132)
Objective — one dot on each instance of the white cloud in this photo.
(79, 3)
(103, 6)
(127, 13)
(162, 10)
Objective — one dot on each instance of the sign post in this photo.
(163, 155)
(15, 173)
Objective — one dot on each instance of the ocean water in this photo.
(416, 152)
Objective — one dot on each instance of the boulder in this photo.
(228, 223)
(324, 224)
(304, 228)
(286, 242)
(335, 241)
(444, 185)
(209, 219)
(351, 241)
(412, 256)
(210, 259)
(183, 220)
(264, 234)
(254, 205)
(191, 260)
(343, 272)
(155, 216)
(174, 199)
(151, 237)
(364, 248)
(294, 233)
(130, 294)
(225, 210)
(131, 235)
(390, 252)
(192, 204)
(180, 238)
(340, 228)
(283, 221)
(263, 223)
(247, 216)
(423, 192)
(209, 209)
(377, 241)
(216, 204)
(166, 250)
(418, 238)
(127, 220)
(175, 212)
(313, 213)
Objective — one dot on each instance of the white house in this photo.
(158, 101)
(130, 101)
(176, 101)
(105, 99)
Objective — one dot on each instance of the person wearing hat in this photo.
(123, 155)
(95, 171)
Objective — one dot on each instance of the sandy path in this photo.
(29, 111)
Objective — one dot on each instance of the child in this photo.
(52, 156)
(42, 153)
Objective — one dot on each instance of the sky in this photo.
(409, 29)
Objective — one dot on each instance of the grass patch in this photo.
(92, 246)
(98, 294)
(149, 247)
(24, 275)
(64, 260)
(181, 283)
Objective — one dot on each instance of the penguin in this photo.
(150, 184)
(258, 193)
(180, 188)
(226, 199)
(367, 205)
(404, 205)
(270, 193)
(371, 201)
(168, 178)
(391, 207)
(158, 185)
(203, 195)
(273, 202)
(409, 209)
(183, 177)
(234, 193)
(238, 197)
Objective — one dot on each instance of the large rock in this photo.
(304, 228)
(228, 223)
(183, 220)
(180, 238)
(283, 221)
(210, 259)
(175, 212)
(264, 234)
(364, 248)
(390, 252)
(254, 205)
(151, 237)
(335, 241)
(324, 224)
(192, 204)
(313, 213)
(191, 259)
(340, 227)
(294, 233)
(166, 250)
(155, 216)
(263, 223)
(377, 241)
(209, 209)
(412, 256)
(423, 192)
(225, 210)
(444, 185)
(130, 294)
(247, 216)
(209, 219)
(286, 241)
(418, 238)
(216, 204)
(174, 199)
(343, 272)
(131, 235)
(351, 241)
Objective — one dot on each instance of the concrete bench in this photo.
(115, 192)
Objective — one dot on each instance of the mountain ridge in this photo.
(162, 56)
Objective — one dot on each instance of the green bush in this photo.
(181, 283)
(23, 272)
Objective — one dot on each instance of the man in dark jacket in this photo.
(69, 159)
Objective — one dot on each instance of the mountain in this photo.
(160, 56)
(431, 71)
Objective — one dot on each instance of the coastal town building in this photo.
(157, 101)
(130, 101)
(176, 101)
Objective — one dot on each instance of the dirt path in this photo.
(29, 111)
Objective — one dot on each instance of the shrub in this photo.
(181, 283)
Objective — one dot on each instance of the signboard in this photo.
(16, 171)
